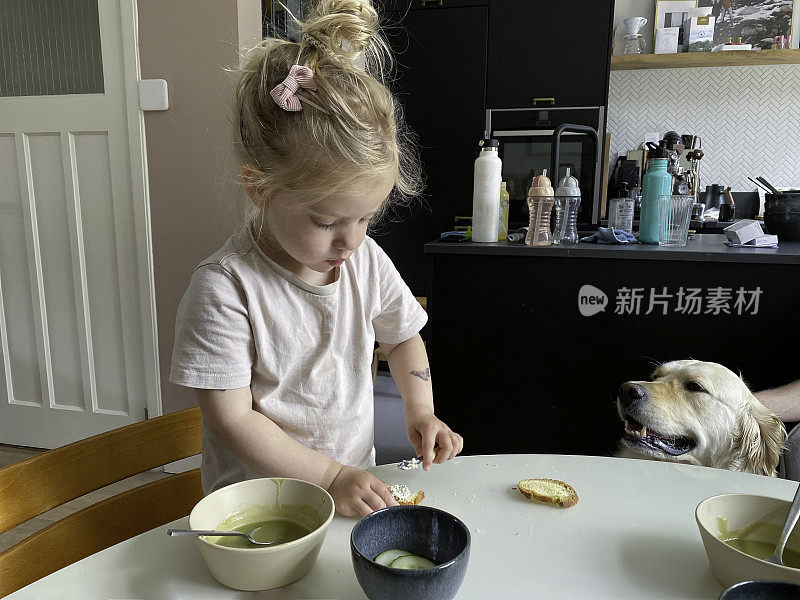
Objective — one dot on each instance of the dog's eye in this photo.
(693, 386)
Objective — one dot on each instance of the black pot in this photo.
(782, 215)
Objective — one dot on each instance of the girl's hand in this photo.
(357, 492)
(434, 441)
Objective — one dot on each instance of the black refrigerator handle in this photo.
(555, 151)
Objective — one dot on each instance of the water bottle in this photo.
(540, 203)
(486, 192)
(567, 202)
(656, 182)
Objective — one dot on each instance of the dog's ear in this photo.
(761, 441)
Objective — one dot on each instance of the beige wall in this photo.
(188, 43)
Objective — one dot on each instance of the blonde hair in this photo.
(362, 136)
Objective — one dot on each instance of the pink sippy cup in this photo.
(540, 203)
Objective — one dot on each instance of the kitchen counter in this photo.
(528, 346)
(706, 247)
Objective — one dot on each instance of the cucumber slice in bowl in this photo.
(411, 561)
(386, 558)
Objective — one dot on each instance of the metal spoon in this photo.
(198, 532)
(791, 520)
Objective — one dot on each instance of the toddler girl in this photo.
(276, 330)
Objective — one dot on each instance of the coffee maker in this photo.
(684, 162)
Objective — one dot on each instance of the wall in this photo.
(744, 115)
(188, 43)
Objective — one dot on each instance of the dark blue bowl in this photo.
(422, 530)
(762, 589)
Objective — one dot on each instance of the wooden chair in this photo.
(378, 355)
(34, 486)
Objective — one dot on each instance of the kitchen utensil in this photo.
(634, 44)
(759, 184)
(782, 215)
(673, 139)
(634, 41)
(719, 515)
(697, 211)
(791, 520)
(762, 588)
(249, 536)
(695, 154)
(422, 530)
(772, 188)
(713, 196)
(727, 206)
(252, 501)
(634, 24)
(726, 212)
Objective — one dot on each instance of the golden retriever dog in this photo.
(699, 413)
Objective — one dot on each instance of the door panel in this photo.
(557, 50)
(77, 316)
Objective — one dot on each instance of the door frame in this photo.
(140, 190)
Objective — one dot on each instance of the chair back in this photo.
(36, 485)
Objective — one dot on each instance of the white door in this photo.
(77, 308)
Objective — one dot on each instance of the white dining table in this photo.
(631, 535)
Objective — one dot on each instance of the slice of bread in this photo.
(551, 491)
(403, 495)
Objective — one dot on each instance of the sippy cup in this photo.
(540, 203)
(567, 202)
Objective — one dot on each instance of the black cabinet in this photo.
(458, 58)
(547, 49)
(441, 83)
(521, 364)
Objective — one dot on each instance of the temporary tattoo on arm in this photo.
(424, 375)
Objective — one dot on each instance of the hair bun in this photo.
(345, 28)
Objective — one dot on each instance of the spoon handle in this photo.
(791, 520)
(196, 532)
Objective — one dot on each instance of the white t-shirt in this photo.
(304, 350)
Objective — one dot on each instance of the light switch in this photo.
(153, 94)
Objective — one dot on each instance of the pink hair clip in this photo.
(286, 93)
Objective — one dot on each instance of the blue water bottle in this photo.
(656, 182)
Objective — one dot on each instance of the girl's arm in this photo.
(260, 443)
(408, 363)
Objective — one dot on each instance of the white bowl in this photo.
(731, 512)
(269, 567)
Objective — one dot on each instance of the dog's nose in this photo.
(631, 393)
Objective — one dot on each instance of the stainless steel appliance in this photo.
(526, 145)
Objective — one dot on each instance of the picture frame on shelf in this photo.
(756, 22)
(672, 13)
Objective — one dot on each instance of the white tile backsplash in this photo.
(748, 118)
